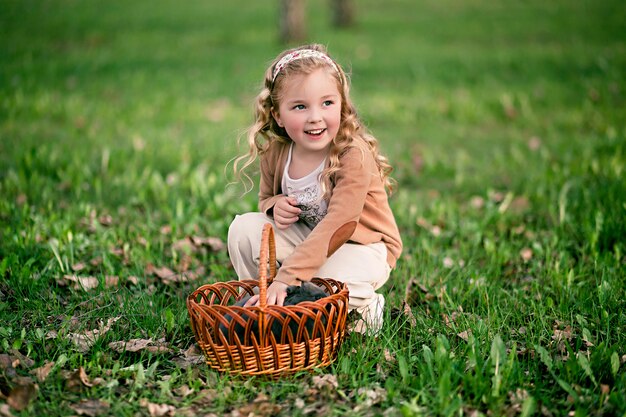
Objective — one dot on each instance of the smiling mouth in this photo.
(316, 132)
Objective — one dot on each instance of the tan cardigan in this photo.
(358, 211)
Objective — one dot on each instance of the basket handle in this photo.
(267, 256)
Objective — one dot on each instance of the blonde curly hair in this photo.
(265, 130)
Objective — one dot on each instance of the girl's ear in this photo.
(276, 117)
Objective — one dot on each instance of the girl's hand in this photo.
(276, 294)
(286, 212)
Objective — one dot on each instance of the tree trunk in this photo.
(343, 12)
(292, 20)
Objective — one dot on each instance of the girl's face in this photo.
(310, 111)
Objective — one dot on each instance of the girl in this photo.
(323, 187)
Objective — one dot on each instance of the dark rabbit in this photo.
(295, 295)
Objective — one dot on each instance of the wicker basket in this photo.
(267, 340)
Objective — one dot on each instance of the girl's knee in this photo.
(245, 224)
(244, 233)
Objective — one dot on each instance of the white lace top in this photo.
(307, 191)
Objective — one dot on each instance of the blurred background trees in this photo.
(292, 18)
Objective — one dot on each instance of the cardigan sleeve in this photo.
(267, 198)
(352, 183)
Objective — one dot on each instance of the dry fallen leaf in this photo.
(157, 410)
(21, 395)
(435, 230)
(450, 319)
(190, 357)
(477, 202)
(184, 245)
(105, 220)
(21, 199)
(214, 244)
(23, 361)
(508, 106)
(192, 244)
(418, 160)
(168, 276)
(162, 272)
(117, 251)
(139, 143)
(195, 274)
(42, 372)
(185, 263)
(526, 254)
(299, 403)
(6, 365)
(517, 400)
(496, 196)
(77, 379)
(208, 396)
(91, 408)
(408, 313)
(84, 283)
(135, 345)
(325, 381)
(372, 396)
(5, 410)
(519, 229)
(84, 341)
(422, 222)
(565, 334)
(465, 335)
(261, 406)
(388, 356)
(413, 291)
(82, 376)
(562, 337)
(534, 143)
(183, 391)
(410, 294)
(97, 261)
(520, 205)
(111, 280)
(78, 267)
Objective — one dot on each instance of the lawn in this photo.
(505, 122)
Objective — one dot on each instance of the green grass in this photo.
(504, 122)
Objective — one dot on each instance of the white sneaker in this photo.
(371, 321)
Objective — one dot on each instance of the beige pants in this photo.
(363, 268)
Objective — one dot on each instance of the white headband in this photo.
(299, 54)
